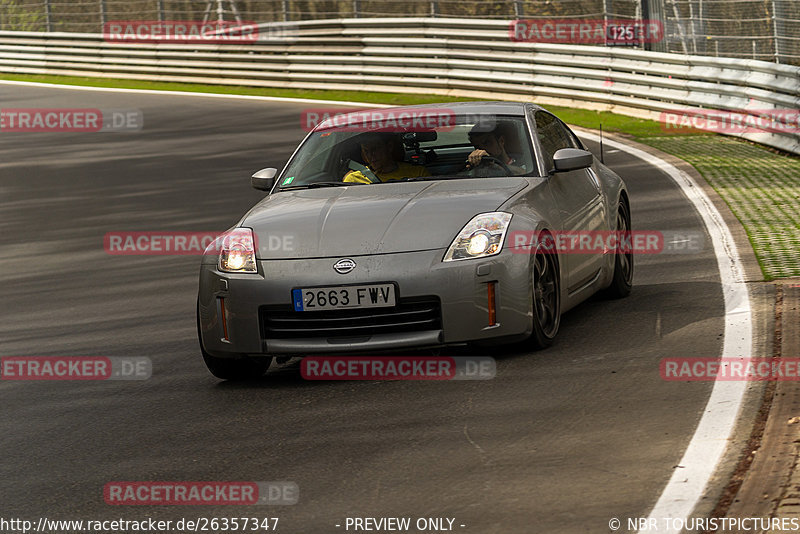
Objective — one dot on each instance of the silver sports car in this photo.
(413, 227)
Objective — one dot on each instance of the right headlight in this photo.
(483, 236)
(237, 252)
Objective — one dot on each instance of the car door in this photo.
(577, 195)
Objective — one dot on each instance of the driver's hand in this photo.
(474, 159)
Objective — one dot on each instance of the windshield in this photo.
(450, 147)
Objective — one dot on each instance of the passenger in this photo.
(380, 152)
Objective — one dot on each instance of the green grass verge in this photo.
(761, 186)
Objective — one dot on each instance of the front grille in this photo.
(409, 315)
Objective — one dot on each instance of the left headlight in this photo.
(237, 251)
(482, 236)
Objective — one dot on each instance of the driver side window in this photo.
(553, 136)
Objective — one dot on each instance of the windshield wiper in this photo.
(319, 184)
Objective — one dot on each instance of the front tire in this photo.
(546, 294)
(622, 281)
(241, 368)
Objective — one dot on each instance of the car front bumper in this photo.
(461, 288)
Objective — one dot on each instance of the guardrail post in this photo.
(356, 8)
(701, 22)
(654, 10)
(517, 9)
(434, 8)
(102, 14)
(160, 9)
(48, 16)
(776, 21)
(285, 6)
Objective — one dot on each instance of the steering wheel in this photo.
(490, 160)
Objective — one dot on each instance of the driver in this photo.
(490, 143)
(379, 152)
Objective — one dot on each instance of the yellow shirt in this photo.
(403, 170)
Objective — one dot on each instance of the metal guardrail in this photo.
(768, 30)
(456, 57)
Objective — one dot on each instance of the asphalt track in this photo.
(560, 441)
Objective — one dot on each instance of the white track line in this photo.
(702, 456)
(685, 488)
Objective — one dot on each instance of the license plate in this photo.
(343, 297)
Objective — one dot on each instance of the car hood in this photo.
(372, 219)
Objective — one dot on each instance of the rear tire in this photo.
(623, 261)
(241, 368)
(546, 294)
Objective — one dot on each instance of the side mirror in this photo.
(264, 179)
(570, 159)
